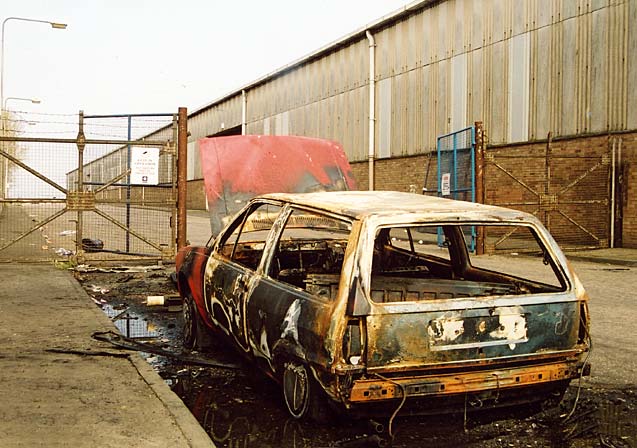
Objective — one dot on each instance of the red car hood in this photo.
(237, 168)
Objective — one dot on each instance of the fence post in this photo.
(81, 144)
(479, 176)
(173, 185)
(182, 180)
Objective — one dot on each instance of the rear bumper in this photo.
(496, 380)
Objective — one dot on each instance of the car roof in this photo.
(362, 204)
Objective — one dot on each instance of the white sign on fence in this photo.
(445, 184)
(144, 165)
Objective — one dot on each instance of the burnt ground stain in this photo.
(242, 408)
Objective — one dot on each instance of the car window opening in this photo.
(310, 253)
(432, 262)
(244, 244)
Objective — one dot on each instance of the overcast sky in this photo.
(138, 56)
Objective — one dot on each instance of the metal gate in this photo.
(74, 197)
(456, 172)
(566, 186)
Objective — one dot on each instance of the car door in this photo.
(290, 309)
(232, 269)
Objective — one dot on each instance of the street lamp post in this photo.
(3, 103)
(55, 25)
(16, 98)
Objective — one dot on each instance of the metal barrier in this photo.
(456, 172)
(54, 205)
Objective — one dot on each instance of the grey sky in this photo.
(135, 56)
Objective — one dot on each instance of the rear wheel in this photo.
(303, 396)
(190, 317)
(197, 336)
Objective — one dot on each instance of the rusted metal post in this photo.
(479, 182)
(81, 144)
(173, 185)
(182, 185)
(547, 184)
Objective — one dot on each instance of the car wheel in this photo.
(302, 394)
(189, 314)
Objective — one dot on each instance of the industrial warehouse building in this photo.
(553, 82)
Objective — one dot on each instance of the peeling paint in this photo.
(512, 326)
(291, 321)
(446, 329)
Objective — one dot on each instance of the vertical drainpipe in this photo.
(372, 107)
(244, 111)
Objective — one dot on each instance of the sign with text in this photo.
(144, 165)
(446, 184)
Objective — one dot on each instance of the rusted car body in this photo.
(362, 299)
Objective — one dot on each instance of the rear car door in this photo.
(290, 309)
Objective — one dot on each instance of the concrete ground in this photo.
(59, 387)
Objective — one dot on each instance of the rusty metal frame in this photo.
(548, 202)
(82, 200)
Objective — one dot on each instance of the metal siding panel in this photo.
(518, 105)
(570, 77)
(427, 107)
(442, 107)
(598, 4)
(411, 41)
(542, 71)
(383, 118)
(361, 114)
(476, 91)
(427, 97)
(428, 44)
(498, 20)
(498, 103)
(266, 126)
(543, 13)
(191, 156)
(477, 24)
(459, 26)
(458, 92)
(399, 116)
(631, 52)
(414, 113)
(443, 50)
(599, 72)
(520, 15)
(569, 9)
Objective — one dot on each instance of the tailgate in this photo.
(412, 335)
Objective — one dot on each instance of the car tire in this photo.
(303, 396)
(191, 319)
(196, 335)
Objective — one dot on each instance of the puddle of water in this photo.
(130, 324)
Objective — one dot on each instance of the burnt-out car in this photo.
(371, 300)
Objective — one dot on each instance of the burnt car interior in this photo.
(409, 263)
(311, 246)
(432, 262)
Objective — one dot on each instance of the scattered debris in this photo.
(99, 289)
(92, 245)
(130, 344)
(154, 300)
(116, 269)
(67, 232)
(62, 252)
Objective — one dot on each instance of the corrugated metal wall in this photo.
(523, 67)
